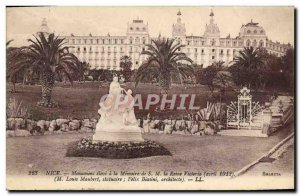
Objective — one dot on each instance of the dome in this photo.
(137, 27)
(252, 29)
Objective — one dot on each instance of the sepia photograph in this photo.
(146, 98)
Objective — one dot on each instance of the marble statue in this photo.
(117, 122)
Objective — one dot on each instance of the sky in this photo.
(23, 22)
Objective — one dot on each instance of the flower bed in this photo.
(87, 148)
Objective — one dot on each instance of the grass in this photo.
(86, 148)
(82, 100)
(189, 153)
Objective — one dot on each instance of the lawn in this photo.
(82, 100)
(189, 153)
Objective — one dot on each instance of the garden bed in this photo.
(87, 148)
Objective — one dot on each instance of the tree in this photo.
(223, 81)
(288, 64)
(126, 64)
(83, 68)
(47, 57)
(246, 66)
(164, 59)
(14, 73)
(209, 73)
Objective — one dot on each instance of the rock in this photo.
(64, 127)
(209, 131)
(86, 130)
(153, 130)
(22, 133)
(10, 133)
(47, 124)
(10, 123)
(168, 129)
(74, 125)
(61, 121)
(31, 124)
(41, 124)
(194, 128)
(20, 123)
(87, 123)
(53, 126)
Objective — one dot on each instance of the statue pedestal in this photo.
(116, 131)
(121, 134)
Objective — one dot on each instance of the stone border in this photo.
(18, 127)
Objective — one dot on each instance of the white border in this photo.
(5, 3)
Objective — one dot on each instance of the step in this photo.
(243, 133)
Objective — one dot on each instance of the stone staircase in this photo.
(282, 111)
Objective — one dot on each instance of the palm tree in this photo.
(126, 64)
(164, 59)
(246, 66)
(48, 57)
(12, 56)
(249, 58)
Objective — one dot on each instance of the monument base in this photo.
(123, 134)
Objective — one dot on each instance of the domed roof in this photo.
(137, 26)
(252, 29)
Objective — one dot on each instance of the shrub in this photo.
(15, 109)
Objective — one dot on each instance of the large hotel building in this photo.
(104, 52)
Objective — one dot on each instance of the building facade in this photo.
(105, 52)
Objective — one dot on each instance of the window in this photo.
(90, 49)
(122, 41)
(130, 40)
(116, 41)
(131, 28)
(97, 41)
(137, 28)
(121, 49)
(144, 40)
(137, 40)
(262, 31)
(73, 41)
(221, 52)
(84, 49)
(254, 43)
(84, 41)
(108, 41)
(261, 43)
(234, 43)
(248, 31)
(248, 43)
(144, 29)
(103, 41)
(79, 41)
(255, 31)
(195, 50)
(202, 51)
(188, 43)
(78, 49)
(136, 62)
(213, 50)
(213, 57)
(91, 41)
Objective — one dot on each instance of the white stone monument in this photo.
(117, 122)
